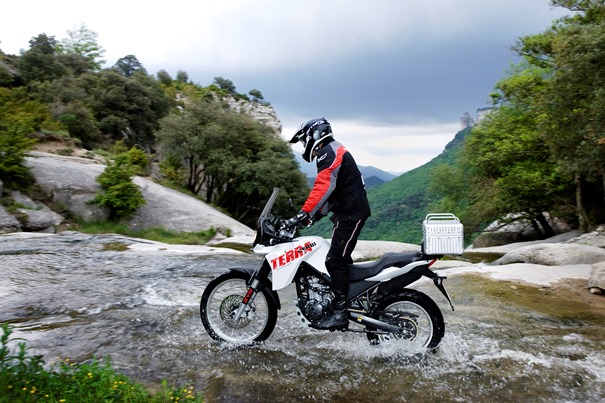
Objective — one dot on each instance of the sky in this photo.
(393, 77)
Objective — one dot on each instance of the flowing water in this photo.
(81, 296)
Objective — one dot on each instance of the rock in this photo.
(8, 223)
(71, 182)
(259, 111)
(40, 220)
(499, 233)
(596, 281)
(22, 200)
(35, 216)
(554, 255)
(594, 238)
(173, 210)
(500, 250)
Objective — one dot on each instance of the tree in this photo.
(569, 108)
(228, 157)
(544, 144)
(256, 95)
(164, 77)
(19, 117)
(225, 84)
(40, 62)
(182, 77)
(128, 108)
(576, 97)
(128, 65)
(81, 41)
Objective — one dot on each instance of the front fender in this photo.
(264, 283)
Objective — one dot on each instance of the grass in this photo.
(154, 234)
(25, 378)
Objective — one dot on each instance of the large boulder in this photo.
(594, 238)
(71, 183)
(35, 217)
(495, 252)
(550, 254)
(173, 210)
(8, 222)
(513, 229)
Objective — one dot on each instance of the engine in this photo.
(314, 298)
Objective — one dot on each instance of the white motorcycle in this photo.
(240, 306)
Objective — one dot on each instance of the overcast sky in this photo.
(393, 77)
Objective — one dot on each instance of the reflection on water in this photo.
(71, 298)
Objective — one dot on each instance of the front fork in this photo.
(248, 299)
(262, 270)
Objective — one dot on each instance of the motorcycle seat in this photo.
(359, 271)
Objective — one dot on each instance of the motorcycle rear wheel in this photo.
(220, 301)
(416, 313)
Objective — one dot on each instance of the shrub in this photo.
(119, 194)
(24, 378)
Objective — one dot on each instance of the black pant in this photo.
(344, 239)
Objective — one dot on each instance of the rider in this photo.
(338, 188)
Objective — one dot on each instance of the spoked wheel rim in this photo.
(413, 318)
(222, 304)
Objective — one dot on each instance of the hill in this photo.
(400, 205)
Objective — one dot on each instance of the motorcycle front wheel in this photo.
(220, 302)
(414, 312)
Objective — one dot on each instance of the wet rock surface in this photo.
(82, 296)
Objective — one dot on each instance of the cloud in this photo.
(392, 148)
(400, 71)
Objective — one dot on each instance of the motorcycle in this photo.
(240, 306)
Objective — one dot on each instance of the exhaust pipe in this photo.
(367, 321)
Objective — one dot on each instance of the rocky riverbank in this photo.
(70, 183)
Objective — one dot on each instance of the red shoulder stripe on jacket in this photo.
(325, 183)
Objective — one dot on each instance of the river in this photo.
(80, 296)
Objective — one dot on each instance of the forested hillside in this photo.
(191, 134)
(539, 156)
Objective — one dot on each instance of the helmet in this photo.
(311, 133)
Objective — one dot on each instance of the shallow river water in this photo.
(81, 296)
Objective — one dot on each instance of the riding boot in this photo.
(339, 320)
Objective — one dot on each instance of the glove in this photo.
(301, 219)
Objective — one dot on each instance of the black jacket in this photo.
(338, 187)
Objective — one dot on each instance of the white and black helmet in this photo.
(311, 133)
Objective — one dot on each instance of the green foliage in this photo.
(26, 378)
(129, 65)
(256, 95)
(19, 117)
(81, 41)
(229, 158)
(225, 84)
(40, 62)
(544, 143)
(119, 194)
